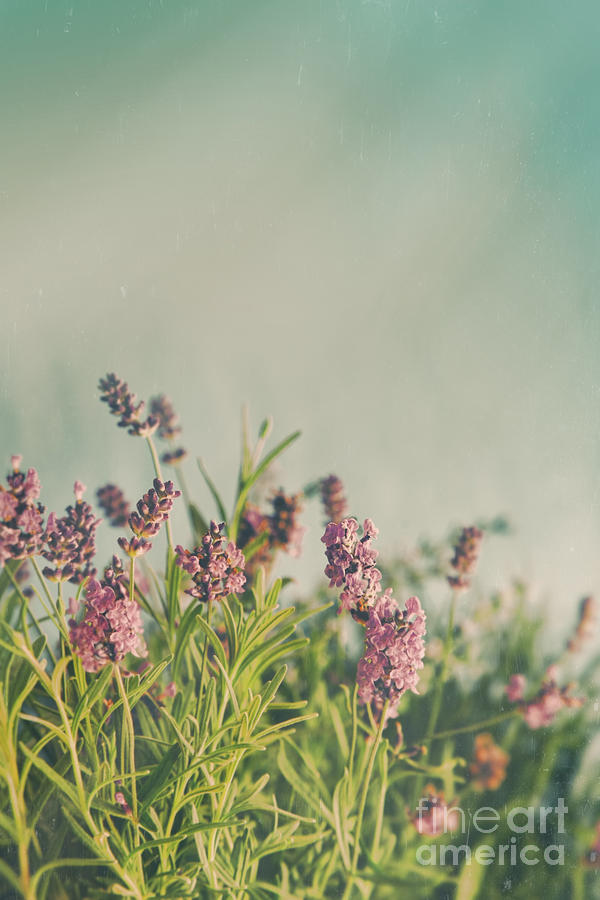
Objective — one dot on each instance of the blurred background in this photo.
(376, 221)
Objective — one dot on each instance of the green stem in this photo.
(131, 578)
(128, 742)
(363, 801)
(436, 703)
(441, 680)
(486, 723)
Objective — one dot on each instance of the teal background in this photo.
(377, 221)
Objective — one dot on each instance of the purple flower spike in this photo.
(153, 510)
(464, 561)
(393, 655)
(162, 408)
(70, 541)
(333, 498)
(113, 504)
(285, 532)
(216, 566)
(122, 403)
(174, 457)
(110, 629)
(21, 525)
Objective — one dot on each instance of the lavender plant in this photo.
(170, 726)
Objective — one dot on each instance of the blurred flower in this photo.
(21, 525)
(216, 566)
(120, 799)
(515, 688)
(585, 624)
(113, 504)
(333, 498)
(254, 524)
(122, 402)
(489, 764)
(592, 857)
(466, 554)
(153, 510)
(162, 409)
(433, 816)
(285, 532)
(393, 655)
(174, 457)
(70, 541)
(351, 565)
(550, 699)
(110, 629)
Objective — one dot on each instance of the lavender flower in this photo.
(466, 554)
(122, 402)
(281, 528)
(515, 688)
(70, 541)
(283, 523)
(113, 504)
(550, 699)
(162, 409)
(216, 566)
(174, 457)
(21, 525)
(434, 816)
(253, 524)
(110, 629)
(393, 655)
(333, 498)
(351, 565)
(152, 511)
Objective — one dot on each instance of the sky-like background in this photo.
(376, 221)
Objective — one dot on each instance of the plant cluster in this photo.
(171, 726)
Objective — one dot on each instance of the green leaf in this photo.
(341, 822)
(215, 494)
(175, 839)
(173, 585)
(199, 523)
(184, 631)
(61, 783)
(159, 776)
(95, 691)
(213, 638)
(243, 494)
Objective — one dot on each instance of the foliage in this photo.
(237, 761)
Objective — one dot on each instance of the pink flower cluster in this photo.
(110, 629)
(394, 638)
(152, 511)
(216, 566)
(393, 655)
(550, 699)
(351, 563)
(21, 525)
(70, 541)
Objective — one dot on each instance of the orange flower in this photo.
(489, 765)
